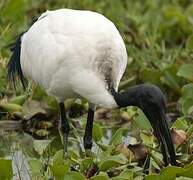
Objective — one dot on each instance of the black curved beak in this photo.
(151, 101)
(159, 123)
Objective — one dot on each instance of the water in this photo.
(12, 146)
(21, 148)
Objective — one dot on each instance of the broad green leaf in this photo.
(85, 164)
(183, 178)
(147, 139)
(189, 42)
(170, 78)
(152, 177)
(180, 123)
(59, 171)
(142, 121)
(186, 99)
(125, 175)
(10, 107)
(187, 103)
(40, 95)
(117, 137)
(190, 110)
(171, 172)
(18, 100)
(73, 176)
(100, 177)
(6, 171)
(58, 158)
(35, 167)
(187, 171)
(97, 132)
(112, 161)
(187, 91)
(60, 166)
(186, 71)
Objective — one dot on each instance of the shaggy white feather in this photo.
(68, 52)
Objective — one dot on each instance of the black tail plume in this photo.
(14, 65)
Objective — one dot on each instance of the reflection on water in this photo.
(12, 146)
(20, 166)
(21, 148)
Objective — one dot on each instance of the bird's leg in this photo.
(64, 127)
(88, 130)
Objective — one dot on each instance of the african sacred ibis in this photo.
(74, 53)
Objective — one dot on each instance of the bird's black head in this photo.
(151, 101)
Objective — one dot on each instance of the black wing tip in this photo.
(14, 66)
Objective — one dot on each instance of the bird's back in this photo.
(71, 52)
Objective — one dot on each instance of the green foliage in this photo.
(159, 41)
(6, 169)
(112, 161)
(117, 138)
(172, 172)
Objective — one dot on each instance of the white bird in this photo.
(76, 53)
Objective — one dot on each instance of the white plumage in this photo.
(73, 53)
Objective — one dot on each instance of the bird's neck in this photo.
(130, 97)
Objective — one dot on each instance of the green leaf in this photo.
(100, 177)
(125, 175)
(18, 100)
(186, 99)
(97, 132)
(170, 78)
(35, 167)
(58, 158)
(171, 172)
(189, 42)
(187, 91)
(183, 178)
(147, 139)
(152, 177)
(187, 171)
(112, 161)
(60, 166)
(9, 107)
(85, 164)
(180, 123)
(59, 171)
(117, 137)
(186, 71)
(40, 95)
(187, 103)
(73, 176)
(142, 121)
(6, 171)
